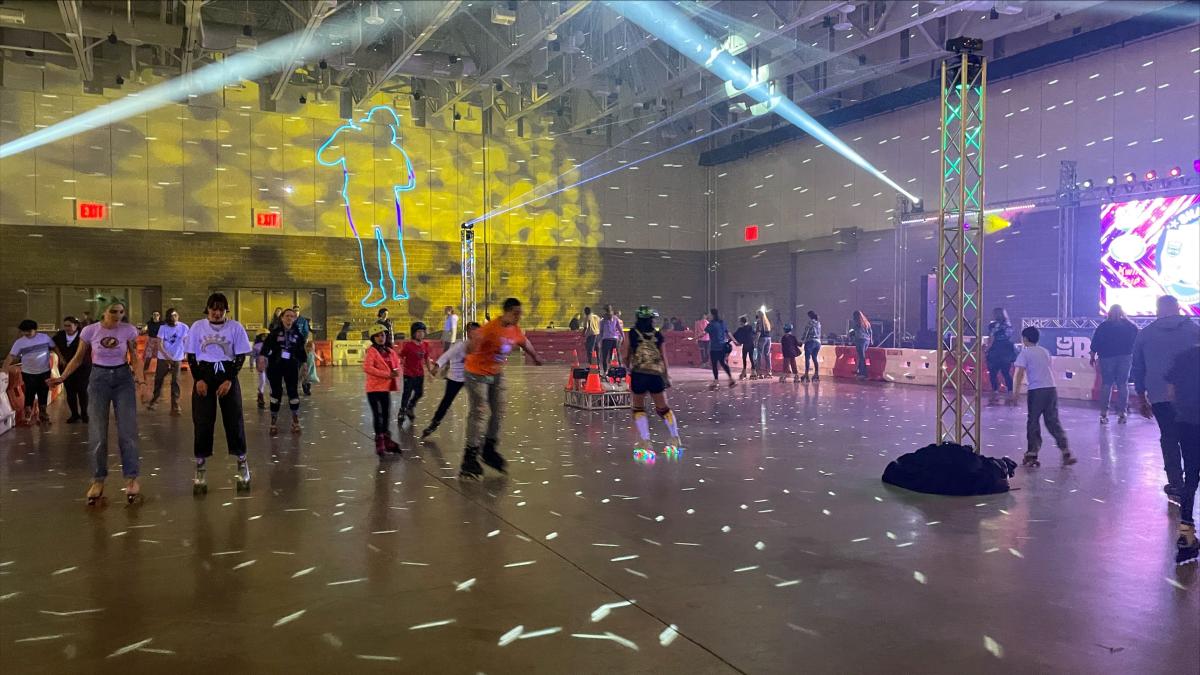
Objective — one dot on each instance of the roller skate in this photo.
(1122, 419)
(307, 389)
(1068, 459)
(380, 448)
(95, 494)
(492, 458)
(262, 402)
(274, 429)
(295, 424)
(1030, 461)
(390, 445)
(470, 467)
(428, 431)
(816, 378)
(44, 418)
(200, 480)
(243, 475)
(176, 411)
(133, 492)
(1187, 547)
(1103, 418)
(804, 378)
(795, 379)
(782, 379)
(153, 402)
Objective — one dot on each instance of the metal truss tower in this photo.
(467, 273)
(961, 321)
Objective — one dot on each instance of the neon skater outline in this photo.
(382, 260)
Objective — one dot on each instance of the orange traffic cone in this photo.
(593, 381)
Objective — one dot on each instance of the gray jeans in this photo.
(112, 386)
(1043, 403)
(763, 355)
(161, 370)
(1114, 372)
(485, 395)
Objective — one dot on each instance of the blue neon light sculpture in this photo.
(376, 256)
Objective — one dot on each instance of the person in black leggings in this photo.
(282, 357)
(67, 341)
(719, 347)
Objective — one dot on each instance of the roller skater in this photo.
(812, 346)
(484, 374)
(451, 363)
(170, 343)
(414, 355)
(217, 349)
(33, 350)
(1183, 379)
(1034, 361)
(382, 367)
(790, 347)
(261, 375)
(282, 358)
(116, 373)
(648, 375)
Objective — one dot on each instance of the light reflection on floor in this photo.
(766, 544)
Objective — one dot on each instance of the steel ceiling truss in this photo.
(960, 250)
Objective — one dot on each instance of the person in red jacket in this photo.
(382, 366)
(414, 356)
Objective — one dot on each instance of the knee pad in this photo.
(662, 412)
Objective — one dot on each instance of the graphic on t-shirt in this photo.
(108, 342)
(357, 189)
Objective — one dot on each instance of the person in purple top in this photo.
(111, 347)
(610, 336)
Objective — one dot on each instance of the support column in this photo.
(960, 246)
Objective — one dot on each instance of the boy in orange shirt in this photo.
(483, 371)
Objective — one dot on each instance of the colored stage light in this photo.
(1175, 172)
(1129, 177)
(1086, 184)
(1151, 175)
(1111, 180)
(666, 22)
(1196, 165)
(244, 66)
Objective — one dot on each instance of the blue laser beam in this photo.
(672, 26)
(249, 65)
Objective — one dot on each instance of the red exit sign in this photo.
(91, 211)
(751, 233)
(268, 219)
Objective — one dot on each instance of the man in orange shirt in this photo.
(483, 371)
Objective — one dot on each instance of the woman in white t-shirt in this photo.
(33, 350)
(217, 349)
(111, 348)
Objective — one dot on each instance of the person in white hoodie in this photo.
(1154, 350)
(451, 364)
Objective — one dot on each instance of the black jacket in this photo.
(1114, 338)
(281, 340)
(68, 353)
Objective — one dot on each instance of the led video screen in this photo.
(1148, 248)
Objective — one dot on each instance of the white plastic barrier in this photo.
(349, 352)
(1074, 377)
(911, 366)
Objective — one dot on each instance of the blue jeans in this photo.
(112, 386)
(861, 347)
(1114, 372)
(763, 355)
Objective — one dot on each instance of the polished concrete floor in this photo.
(769, 546)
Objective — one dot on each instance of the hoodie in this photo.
(1155, 350)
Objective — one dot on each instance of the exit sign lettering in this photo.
(267, 219)
(91, 211)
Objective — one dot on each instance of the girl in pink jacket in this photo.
(382, 366)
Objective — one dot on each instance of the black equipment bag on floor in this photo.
(950, 469)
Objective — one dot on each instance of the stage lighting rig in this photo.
(1175, 172)
(1150, 175)
(1086, 184)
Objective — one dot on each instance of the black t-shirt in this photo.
(152, 328)
(744, 335)
(1185, 377)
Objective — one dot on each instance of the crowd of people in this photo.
(101, 371)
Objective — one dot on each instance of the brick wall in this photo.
(553, 282)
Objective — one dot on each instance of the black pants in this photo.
(1168, 440)
(76, 387)
(36, 387)
(1043, 404)
(280, 374)
(590, 343)
(452, 389)
(789, 365)
(414, 389)
(719, 359)
(811, 349)
(607, 347)
(1189, 442)
(381, 409)
(204, 416)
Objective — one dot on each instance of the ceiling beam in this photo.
(74, 30)
(692, 68)
(444, 14)
(534, 40)
(321, 10)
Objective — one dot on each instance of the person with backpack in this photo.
(1000, 353)
(719, 347)
(647, 366)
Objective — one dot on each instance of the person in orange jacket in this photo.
(382, 366)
